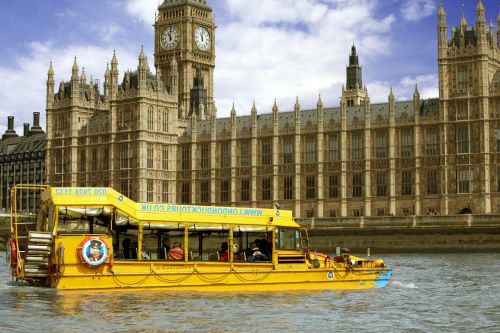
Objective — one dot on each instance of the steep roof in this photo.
(174, 3)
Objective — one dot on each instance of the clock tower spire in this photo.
(185, 31)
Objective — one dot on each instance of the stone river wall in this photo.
(458, 233)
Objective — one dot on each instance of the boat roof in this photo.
(152, 213)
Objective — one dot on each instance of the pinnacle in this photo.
(51, 69)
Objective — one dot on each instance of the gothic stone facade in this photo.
(156, 138)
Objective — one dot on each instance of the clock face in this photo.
(202, 38)
(169, 37)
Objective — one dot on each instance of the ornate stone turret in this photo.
(297, 110)
(74, 81)
(50, 87)
(233, 116)
(320, 113)
(416, 99)
(275, 112)
(107, 82)
(142, 70)
(83, 78)
(481, 25)
(491, 35)
(114, 76)
(442, 30)
(354, 73)
(253, 113)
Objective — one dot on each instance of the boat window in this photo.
(209, 243)
(159, 244)
(81, 220)
(125, 243)
(287, 239)
(254, 243)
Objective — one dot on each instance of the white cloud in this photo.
(404, 88)
(25, 89)
(415, 10)
(143, 10)
(278, 49)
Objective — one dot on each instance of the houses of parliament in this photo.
(154, 135)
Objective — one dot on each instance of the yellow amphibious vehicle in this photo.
(96, 238)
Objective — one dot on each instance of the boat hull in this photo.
(218, 277)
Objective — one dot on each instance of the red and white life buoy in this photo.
(93, 251)
(12, 252)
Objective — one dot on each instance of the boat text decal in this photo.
(200, 210)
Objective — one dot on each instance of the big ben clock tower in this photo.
(185, 31)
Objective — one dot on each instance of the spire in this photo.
(297, 107)
(50, 73)
(441, 12)
(354, 74)
(233, 110)
(320, 102)
(114, 61)
(416, 93)
(233, 115)
(142, 56)
(83, 77)
(463, 21)
(254, 109)
(480, 8)
(391, 95)
(254, 115)
(275, 106)
(74, 71)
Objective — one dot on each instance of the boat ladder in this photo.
(38, 252)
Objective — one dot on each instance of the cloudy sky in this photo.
(266, 49)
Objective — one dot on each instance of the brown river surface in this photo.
(428, 293)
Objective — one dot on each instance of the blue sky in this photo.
(266, 49)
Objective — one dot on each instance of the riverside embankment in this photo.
(417, 234)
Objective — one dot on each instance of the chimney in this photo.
(10, 132)
(26, 129)
(36, 129)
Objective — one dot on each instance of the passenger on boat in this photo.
(257, 255)
(176, 253)
(133, 250)
(224, 253)
(126, 253)
(265, 248)
(165, 248)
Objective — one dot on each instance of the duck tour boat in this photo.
(98, 239)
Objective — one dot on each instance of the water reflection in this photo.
(428, 293)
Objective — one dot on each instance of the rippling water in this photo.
(428, 293)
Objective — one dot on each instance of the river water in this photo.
(428, 293)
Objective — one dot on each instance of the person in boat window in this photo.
(126, 243)
(165, 248)
(265, 248)
(176, 253)
(224, 252)
(257, 255)
(133, 250)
